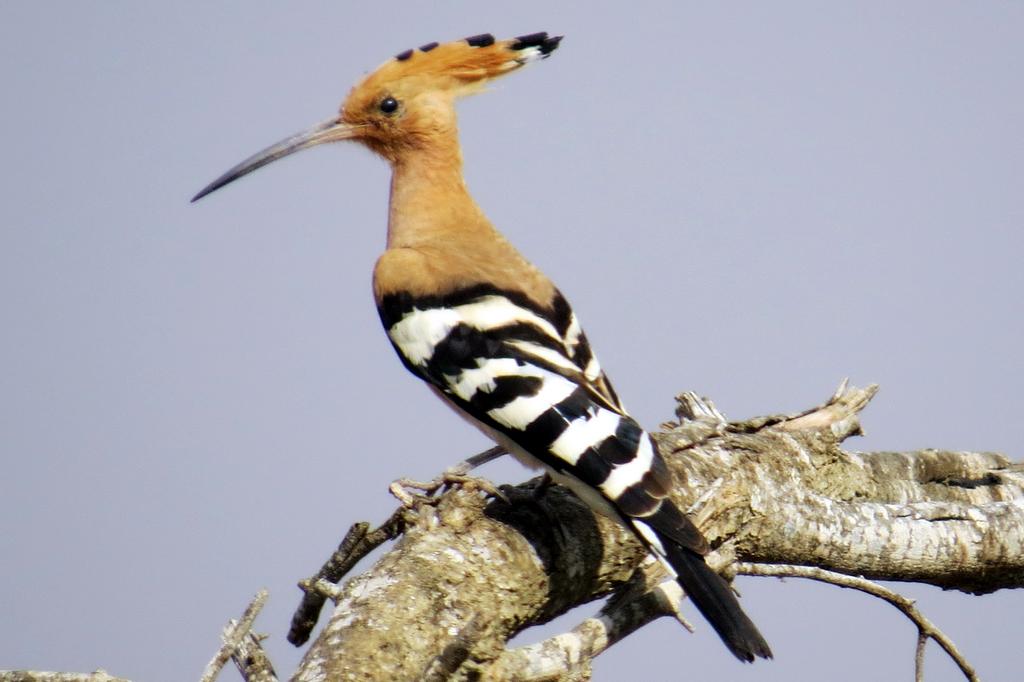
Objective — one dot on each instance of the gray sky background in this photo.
(197, 400)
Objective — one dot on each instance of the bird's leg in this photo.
(456, 475)
(479, 459)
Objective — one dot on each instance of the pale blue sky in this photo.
(197, 400)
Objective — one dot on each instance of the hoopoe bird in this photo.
(486, 330)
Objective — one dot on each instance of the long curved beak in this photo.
(331, 130)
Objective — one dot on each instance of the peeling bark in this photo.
(45, 676)
(498, 567)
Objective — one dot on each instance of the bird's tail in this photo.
(716, 601)
(674, 539)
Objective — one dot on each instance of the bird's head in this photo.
(408, 102)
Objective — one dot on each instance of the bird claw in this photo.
(452, 478)
(410, 492)
(401, 490)
(457, 475)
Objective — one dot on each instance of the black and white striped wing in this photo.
(529, 378)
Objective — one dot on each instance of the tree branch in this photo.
(45, 676)
(358, 542)
(645, 598)
(243, 647)
(925, 628)
(468, 574)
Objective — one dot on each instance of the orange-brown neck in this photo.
(429, 199)
(438, 238)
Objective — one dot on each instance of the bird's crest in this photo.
(460, 66)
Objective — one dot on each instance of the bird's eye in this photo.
(389, 105)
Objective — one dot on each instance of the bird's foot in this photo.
(410, 492)
(474, 484)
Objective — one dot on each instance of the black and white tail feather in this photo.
(525, 375)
